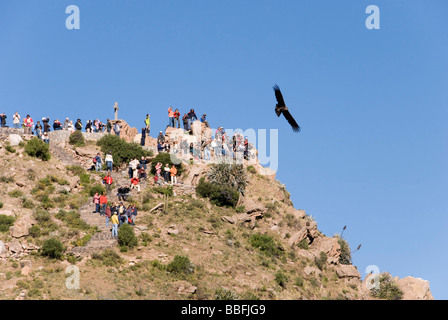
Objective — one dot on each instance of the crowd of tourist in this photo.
(215, 147)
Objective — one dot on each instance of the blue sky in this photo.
(372, 104)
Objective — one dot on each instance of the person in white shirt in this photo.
(16, 120)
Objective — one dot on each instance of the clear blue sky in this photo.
(372, 104)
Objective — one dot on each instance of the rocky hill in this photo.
(187, 246)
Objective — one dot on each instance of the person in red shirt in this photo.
(108, 181)
(135, 184)
(103, 204)
(176, 118)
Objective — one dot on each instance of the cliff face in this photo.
(265, 248)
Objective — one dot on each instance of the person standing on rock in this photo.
(96, 201)
(108, 214)
(185, 122)
(108, 126)
(173, 173)
(108, 180)
(103, 204)
(28, 121)
(78, 125)
(3, 119)
(192, 117)
(117, 129)
(98, 162)
(38, 130)
(65, 124)
(114, 221)
(177, 118)
(109, 161)
(170, 117)
(148, 124)
(16, 120)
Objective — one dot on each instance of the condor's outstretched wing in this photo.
(280, 101)
(291, 121)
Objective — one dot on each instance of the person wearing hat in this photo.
(204, 119)
(114, 221)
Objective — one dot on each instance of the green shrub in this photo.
(387, 289)
(122, 151)
(164, 190)
(109, 258)
(126, 236)
(97, 188)
(6, 222)
(145, 238)
(240, 209)
(321, 260)
(281, 279)
(27, 203)
(345, 257)
(16, 193)
(224, 294)
(251, 169)
(181, 265)
(35, 231)
(303, 244)
(76, 139)
(53, 248)
(10, 149)
(299, 281)
(38, 149)
(266, 244)
(232, 176)
(165, 158)
(1, 205)
(5, 179)
(218, 195)
(76, 170)
(73, 220)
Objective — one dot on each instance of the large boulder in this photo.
(298, 237)
(328, 245)
(414, 289)
(4, 253)
(15, 139)
(127, 132)
(20, 227)
(347, 271)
